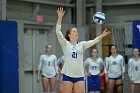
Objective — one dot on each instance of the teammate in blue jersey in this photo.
(134, 70)
(115, 70)
(48, 69)
(73, 70)
(93, 67)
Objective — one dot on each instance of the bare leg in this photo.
(67, 87)
(119, 84)
(45, 82)
(52, 84)
(111, 84)
(79, 87)
(132, 87)
(139, 86)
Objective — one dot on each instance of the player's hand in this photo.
(131, 81)
(60, 12)
(102, 88)
(105, 32)
(57, 77)
(38, 79)
(60, 77)
(60, 80)
(86, 74)
(106, 79)
(123, 77)
(101, 74)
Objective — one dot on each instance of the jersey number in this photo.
(136, 68)
(74, 55)
(94, 67)
(114, 63)
(49, 63)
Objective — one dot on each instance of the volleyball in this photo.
(99, 18)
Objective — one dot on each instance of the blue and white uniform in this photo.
(48, 65)
(73, 55)
(134, 70)
(114, 67)
(94, 68)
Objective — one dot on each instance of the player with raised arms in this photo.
(73, 70)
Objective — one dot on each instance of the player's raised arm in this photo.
(60, 14)
(105, 33)
(60, 36)
(90, 43)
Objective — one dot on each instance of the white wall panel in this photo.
(28, 88)
(28, 50)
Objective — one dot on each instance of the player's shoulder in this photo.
(53, 56)
(120, 56)
(107, 57)
(131, 60)
(43, 55)
(110, 56)
(89, 59)
(100, 59)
